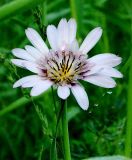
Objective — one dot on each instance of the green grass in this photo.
(27, 126)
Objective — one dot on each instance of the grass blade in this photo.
(16, 6)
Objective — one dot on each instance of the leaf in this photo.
(54, 15)
(18, 103)
(16, 6)
(72, 112)
(109, 158)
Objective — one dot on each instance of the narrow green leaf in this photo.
(17, 6)
(109, 158)
(53, 4)
(128, 145)
(54, 15)
(18, 103)
(72, 112)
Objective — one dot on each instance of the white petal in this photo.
(72, 30)
(33, 52)
(21, 53)
(62, 34)
(63, 92)
(32, 67)
(29, 84)
(81, 96)
(36, 40)
(41, 87)
(93, 70)
(74, 46)
(19, 62)
(52, 36)
(112, 72)
(105, 59)
(90, 41)
(101, 80)
(27, 79)
(26, 65)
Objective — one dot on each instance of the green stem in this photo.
(53, 150)
(53, 95)
(128, 146)
(129, 117)
(66, 145)
(73, 9)
(44, 13)
(105, 36)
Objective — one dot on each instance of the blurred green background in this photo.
(27, 125)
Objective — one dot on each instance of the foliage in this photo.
(109, 158)
(27, 126)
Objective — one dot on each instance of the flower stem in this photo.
(66, 145)
(53, 150)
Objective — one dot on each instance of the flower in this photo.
(65, 63)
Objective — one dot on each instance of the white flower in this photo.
(65, 63)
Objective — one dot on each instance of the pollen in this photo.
(65, 67)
